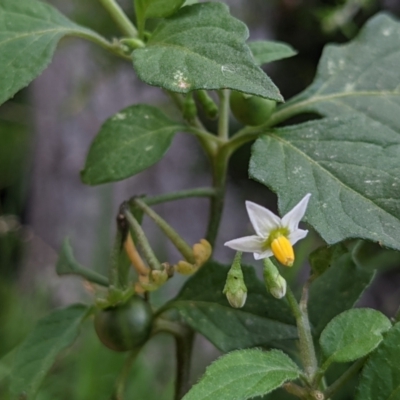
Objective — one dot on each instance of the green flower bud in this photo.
(275, 283)
(235, 288)
(208, 104)
(189, 107)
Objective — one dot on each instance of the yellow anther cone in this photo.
(283, 250)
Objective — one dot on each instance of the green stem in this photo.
(183, 194)
(115, 48)
(295, 390)
(117, 14)
(242, 137)
(91, 276)
(203, 134)
(184, 345)
(352, 371)
(287, 111)
(184, 337)
(171, 233)
(123, 376)
(142, 240)
(223, 121)
(67, 265)
(219, 169)
(307, 350)
(114, 273)
(219, 160)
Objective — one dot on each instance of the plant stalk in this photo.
(117, 14)
(307, 349)
(219, 168)
(123, 377)
(170, 232)
(223, 121)
(184, 346)
(184, 336)
(115, 48)
(183, 194)
(331, 390)
(142, 240)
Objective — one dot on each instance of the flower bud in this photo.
(235, 288)
(275, 283)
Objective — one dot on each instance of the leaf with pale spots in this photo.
(244, 374)
(263, 321)
(202, 47)
(351, 161)
(129, 142)
(352, 172)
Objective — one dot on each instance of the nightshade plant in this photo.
(348, 160)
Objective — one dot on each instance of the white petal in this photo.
(249, 244)
(295, 236)
(262, 219)
(264, 254)
(293, 217)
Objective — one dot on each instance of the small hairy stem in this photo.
(142, 240)
(183, 194)
(115, 47)
(287, 111)
(307, 350)
(219, 168)
(296, 390)
(223, 121)
(123, 376)
(90, 275)
(170, 232)
(125, 25)
(352, 371)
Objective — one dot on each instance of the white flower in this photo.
(274, 236)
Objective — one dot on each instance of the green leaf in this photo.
(380, 378)
(338, 289)
(29, 33)
(244, 374)
(128, 143)
(266, 51)
(361, 77)
(39, 350)
(353, 334)
(263, 320)
(202, 47)
(351, 166)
